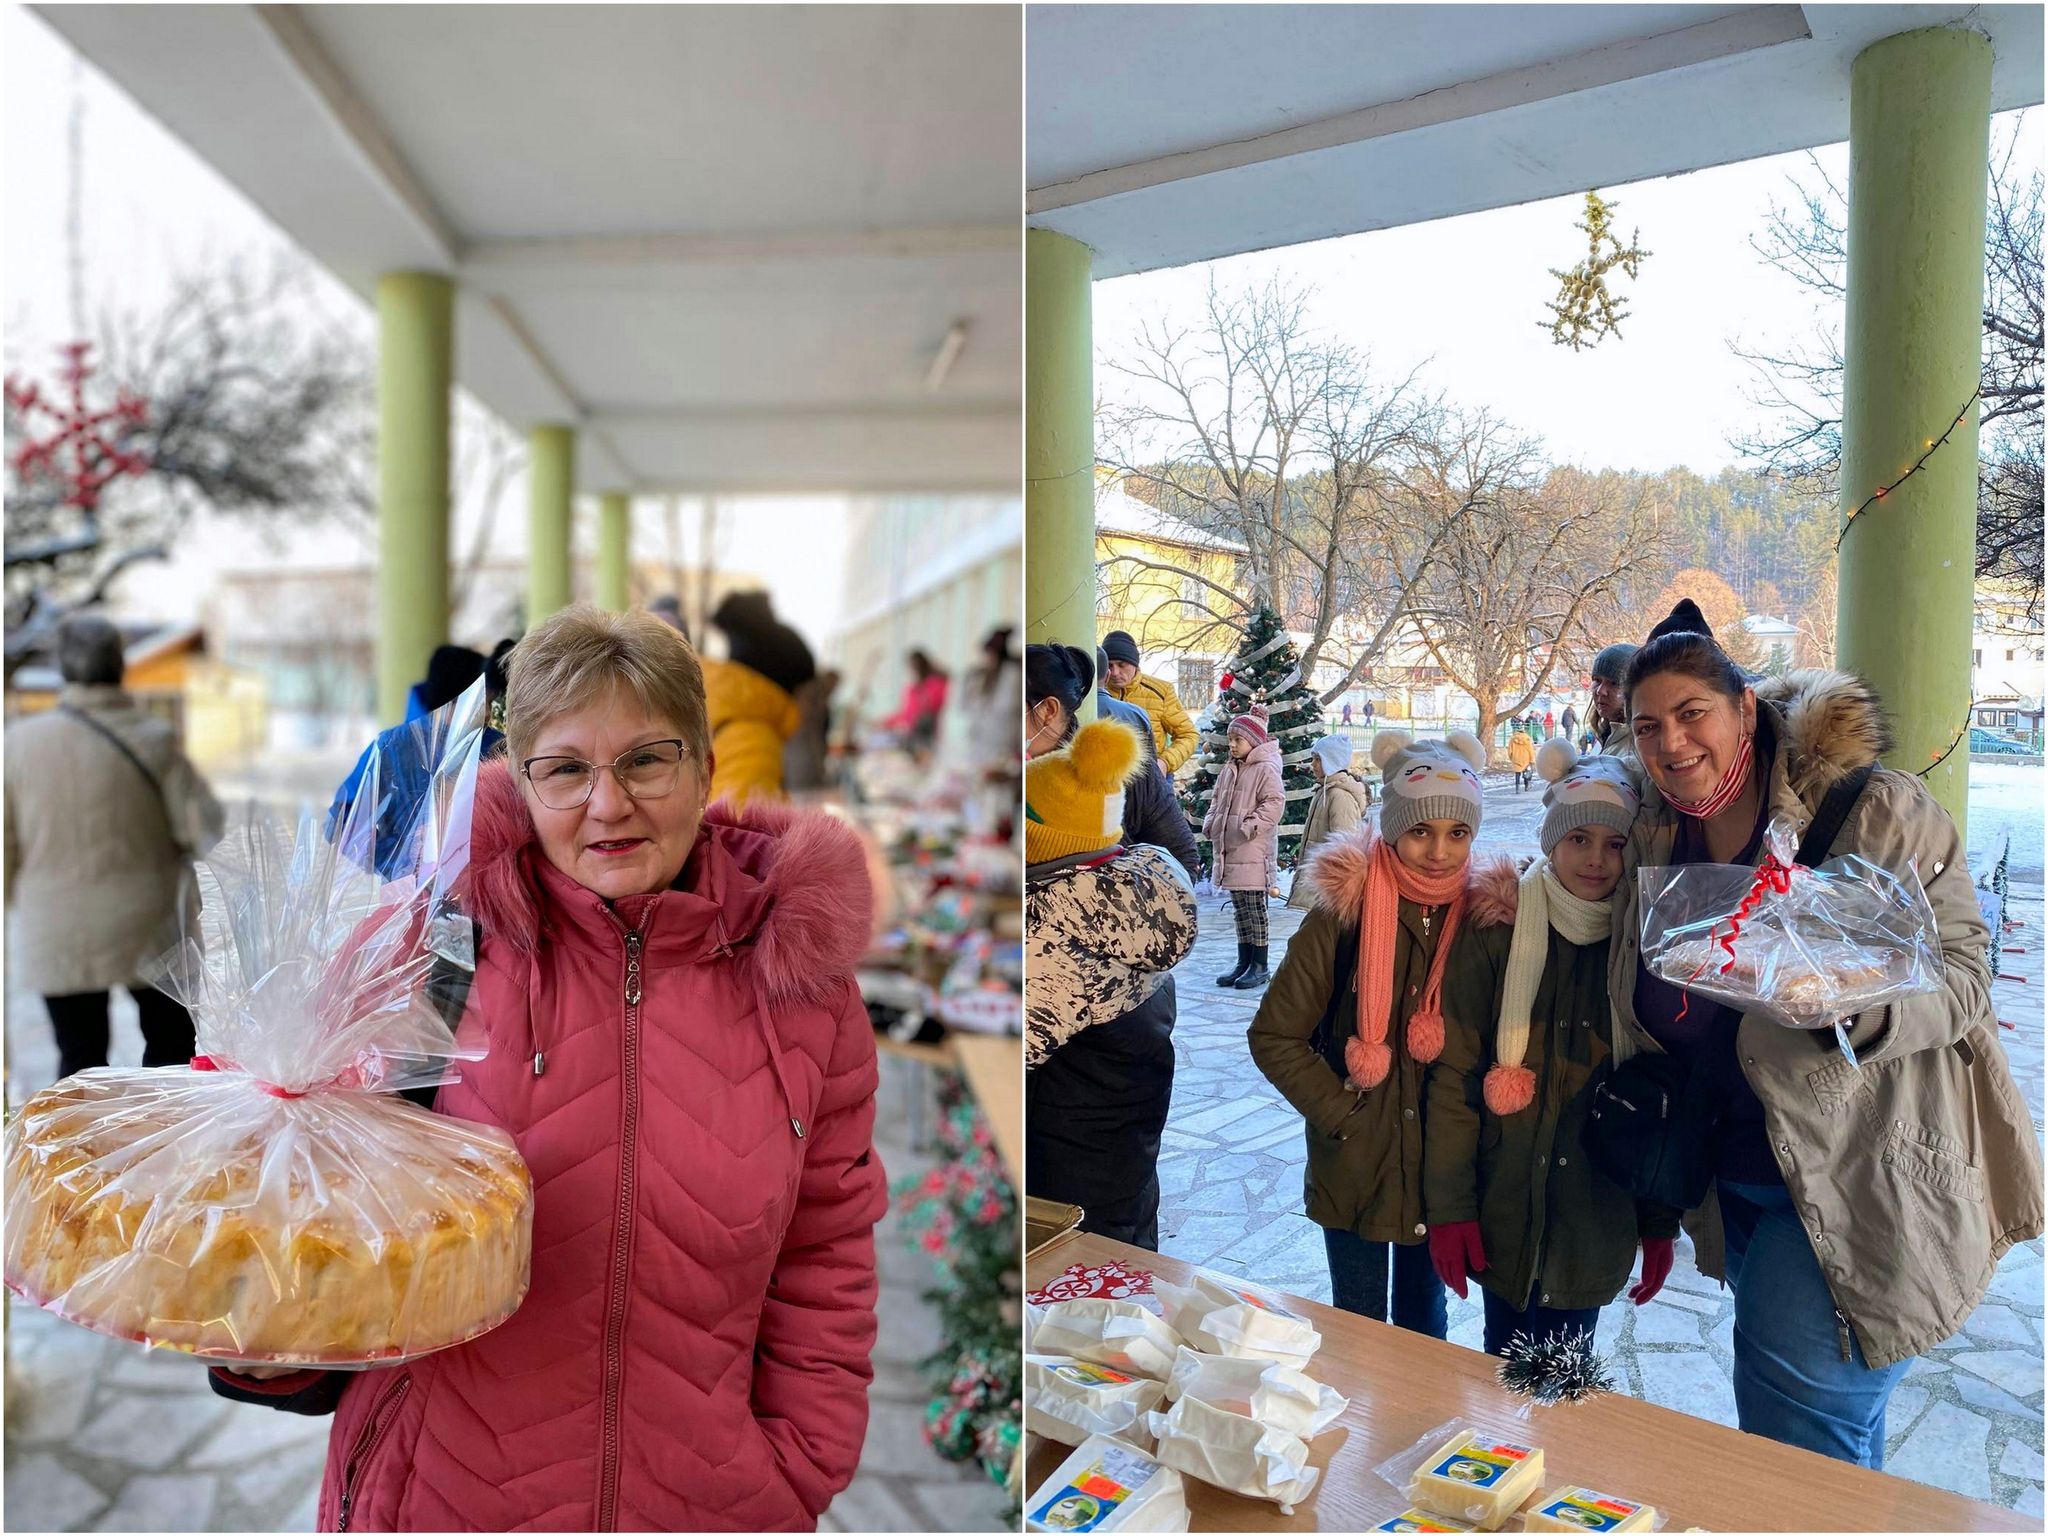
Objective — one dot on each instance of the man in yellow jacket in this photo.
(750, 699)
(1173, 733)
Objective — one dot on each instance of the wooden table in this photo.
(1402, 1386)
(994, 1068)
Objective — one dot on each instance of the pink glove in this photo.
(1656, 1269)
(1455, 1250)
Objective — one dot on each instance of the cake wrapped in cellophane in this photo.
(277, 1202)
(1808, 948)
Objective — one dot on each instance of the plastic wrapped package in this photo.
(275, 1202)
(1119, 1334)
(1107, 1485)
(1232, 1317)
(1588, 1509)
(1466, 1472)
(1068, 1400)
(1806, 947)
(1235, 1452)
(1278, 1396)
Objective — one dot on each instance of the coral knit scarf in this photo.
(1367, 1056)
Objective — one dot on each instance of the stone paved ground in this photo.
(1968, 1416)
(105, 1436)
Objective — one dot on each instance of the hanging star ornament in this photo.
(83, 449)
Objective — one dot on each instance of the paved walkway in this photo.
(1968, 1417)
(105, 1436)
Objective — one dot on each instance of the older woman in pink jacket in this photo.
(1243, 830)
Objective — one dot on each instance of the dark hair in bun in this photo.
(1683, 643)
(1063, 672)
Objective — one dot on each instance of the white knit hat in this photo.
(1428, 780)
(1333, 752)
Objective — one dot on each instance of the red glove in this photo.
(1455, 1250)
(1656, 1269)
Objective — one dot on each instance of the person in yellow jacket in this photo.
(1173, 733)
(1521, 757)
(750, 698)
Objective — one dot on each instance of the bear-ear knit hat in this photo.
(1428, 780)
(1074, 798)
(1584, 792)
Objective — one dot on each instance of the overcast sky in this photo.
(152, 210)
(1463, 298)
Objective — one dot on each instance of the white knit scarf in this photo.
(1542, 904)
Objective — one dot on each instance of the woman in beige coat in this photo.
(1857, 1211)
(104, 811)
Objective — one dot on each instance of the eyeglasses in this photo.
(645, 772)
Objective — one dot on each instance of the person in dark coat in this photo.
(1104, 926)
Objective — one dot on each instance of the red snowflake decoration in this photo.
(81, 451)
(1108, 1278)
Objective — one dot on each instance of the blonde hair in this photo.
(580, 654)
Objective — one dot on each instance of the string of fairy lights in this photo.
(1934, 446)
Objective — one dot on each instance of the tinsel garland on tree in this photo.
(963, 1215)
(1266, 670)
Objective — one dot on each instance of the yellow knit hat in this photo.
(1074, 798)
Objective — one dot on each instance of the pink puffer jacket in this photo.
(696, 1104)
(1244, 818)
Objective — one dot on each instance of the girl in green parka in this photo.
(1354, 1016)
(1509, 1195)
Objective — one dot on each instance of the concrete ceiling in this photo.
(729, 241)
(1164, 134)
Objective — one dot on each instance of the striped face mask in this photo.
(1730, 787)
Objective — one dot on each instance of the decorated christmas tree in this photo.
(1267, 671)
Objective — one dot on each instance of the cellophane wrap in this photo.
(1805, 947)
(276, 1202)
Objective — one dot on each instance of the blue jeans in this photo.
(1358, 1282)
(1503, 1322)
(1791, 1382)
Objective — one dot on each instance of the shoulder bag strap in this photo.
(1832, 816)
(108, 734)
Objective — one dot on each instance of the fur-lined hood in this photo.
(796, 902)
(1831, 724)
(1341, 870)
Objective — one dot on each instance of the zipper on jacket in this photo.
(371, 1436)
(622, 1244)
(1842, 1335)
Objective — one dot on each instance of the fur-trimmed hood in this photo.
(1341, 870)
(796, 902)
(1832, 723)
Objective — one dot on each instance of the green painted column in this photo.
(614, 543)
(415, 369)
(552, 476)
(1919, 138)
(1059, 442)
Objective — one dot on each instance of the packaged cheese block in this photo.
(1119, 1334)
(1421, 1520)
(1476, 1476)
(1234, 1451)
(1107, 1485)
(1276, 1395)
(188, 1210)
(1227, 1316)
(1068, 1400)
(1584, 1509)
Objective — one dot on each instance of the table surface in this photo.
(994, 1068)
(1402, 1386)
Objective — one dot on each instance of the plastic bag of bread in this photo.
(1226, 1316)
(1122, 1335)
(1806, 947)
(1068, 1400)
(275, 1202)
(1234, 1451)
(1278, 1396)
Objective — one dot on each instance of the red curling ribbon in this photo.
(1771, 875)
(208, 1064)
